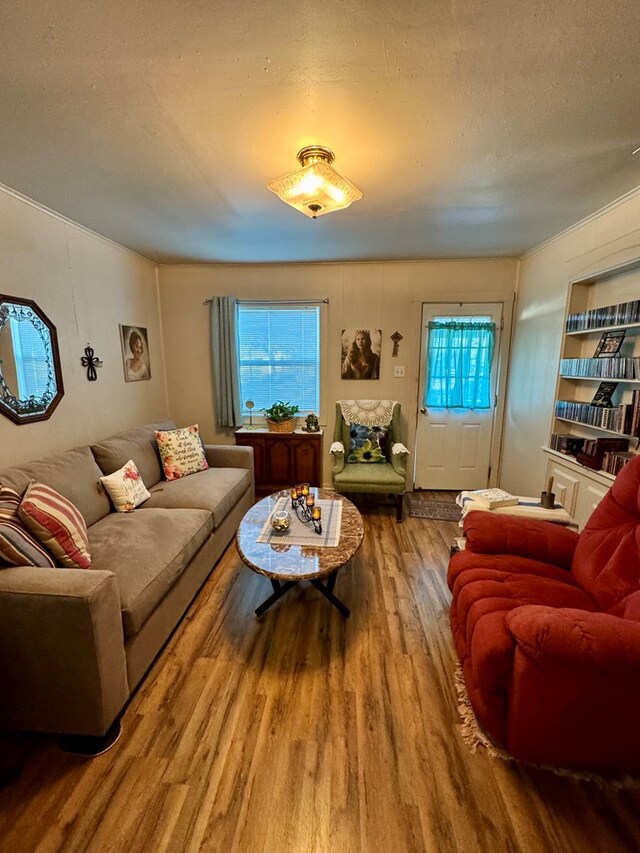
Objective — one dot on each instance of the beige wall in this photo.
(608, 238)
(86, 286)
(388, 296)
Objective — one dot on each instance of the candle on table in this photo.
(550, 485)
(310, 500)
(316, 513)
(305, 489)
(294, 493)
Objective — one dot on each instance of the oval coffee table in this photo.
(286, 565)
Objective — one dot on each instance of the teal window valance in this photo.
(459, 358)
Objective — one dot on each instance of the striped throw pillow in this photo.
(17, 545)
(56, 524)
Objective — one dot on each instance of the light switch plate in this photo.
(398, 371)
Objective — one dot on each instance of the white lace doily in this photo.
(369, 413)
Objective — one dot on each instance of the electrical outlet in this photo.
(398, 371)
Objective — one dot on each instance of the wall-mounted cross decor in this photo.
(396, 337)
(90, 361)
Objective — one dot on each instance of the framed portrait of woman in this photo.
(360, 355)
(135, 353)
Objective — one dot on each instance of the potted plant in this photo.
(281, 417)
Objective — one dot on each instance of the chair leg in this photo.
(399, 506)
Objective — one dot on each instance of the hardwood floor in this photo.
(303, 732)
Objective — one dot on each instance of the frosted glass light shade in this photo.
(317, 188)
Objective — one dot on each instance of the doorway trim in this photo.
(495, 453)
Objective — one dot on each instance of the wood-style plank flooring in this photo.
(304, 733)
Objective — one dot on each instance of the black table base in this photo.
(279, 589)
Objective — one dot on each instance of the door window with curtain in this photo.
(459, 356)
(279, 355)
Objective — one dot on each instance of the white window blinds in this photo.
(279, 355)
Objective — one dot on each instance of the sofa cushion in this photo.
(17, 546)
(138, 444)
(368, 478)
(74, 474)
(606, 561)
(217, 490)
(482, 602)
(367, 444)
(125, 487)
(181, 452)
(464, 561)
(57, 524)
(147, 551)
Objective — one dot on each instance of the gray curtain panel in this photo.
(224, 352)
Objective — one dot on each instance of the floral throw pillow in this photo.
(181, 452)
(125, 487)
(367, 444)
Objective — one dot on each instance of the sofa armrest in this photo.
(337, 451)
(574, 699)
(487, 533)
(398, 457)
(229, 456)
(62, 659)
(577, 637)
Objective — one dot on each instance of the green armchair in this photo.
(388, 477)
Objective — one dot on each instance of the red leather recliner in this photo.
(546, 623)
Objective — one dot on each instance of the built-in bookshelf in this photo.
(595, 426)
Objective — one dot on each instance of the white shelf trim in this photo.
(625, 326)
(600, 379)
(600, 429)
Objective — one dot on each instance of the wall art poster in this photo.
(360, 356)
(135, 353)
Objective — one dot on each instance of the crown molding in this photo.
(70, 222)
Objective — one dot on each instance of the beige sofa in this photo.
(74, 643)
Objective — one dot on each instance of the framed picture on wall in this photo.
(135, 353)
(360, 355)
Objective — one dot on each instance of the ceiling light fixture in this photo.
(316, 188)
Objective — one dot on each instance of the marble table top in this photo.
(297, 562)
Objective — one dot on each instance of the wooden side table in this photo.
(282, 459)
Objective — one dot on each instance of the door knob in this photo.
(423, 411)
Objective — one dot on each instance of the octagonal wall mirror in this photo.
(30, 376)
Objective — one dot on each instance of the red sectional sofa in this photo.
(546, 623)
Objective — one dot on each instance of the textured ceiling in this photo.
(473, 127)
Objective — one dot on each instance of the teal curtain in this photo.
(224, 354)
(459, 360)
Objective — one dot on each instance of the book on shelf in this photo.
(609, 315)
(612, 418)
(621, 367)
(566, 443)
(613, 462)
(594, 449)
(493, 498)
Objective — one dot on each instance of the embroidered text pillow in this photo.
(181, 452)
(125, 487)
(57, 524)
(367, 444)
(17, 545)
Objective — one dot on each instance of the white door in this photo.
(453, 445)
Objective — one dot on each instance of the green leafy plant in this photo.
(280, 411)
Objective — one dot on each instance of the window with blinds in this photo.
(279, 355)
